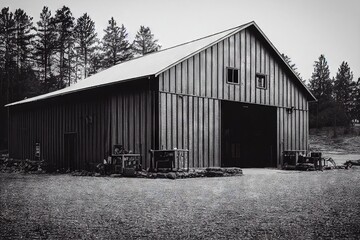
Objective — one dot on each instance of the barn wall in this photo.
(204, 76)
(47, 124)
(188, 122)
(100, 119)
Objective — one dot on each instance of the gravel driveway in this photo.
(261, 204)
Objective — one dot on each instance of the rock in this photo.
(129, 172)
(171, 175)
(142, 174)
(97, 175)
(214, 174)
(115, 175)
(161, 175)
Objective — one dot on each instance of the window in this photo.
(232, 75)
(261, 81)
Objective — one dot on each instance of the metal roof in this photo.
(148, 65)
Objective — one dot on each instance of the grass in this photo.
(261, 204)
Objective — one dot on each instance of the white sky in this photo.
(302, 29)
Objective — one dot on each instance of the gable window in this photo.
(232, 75)
(261, 81)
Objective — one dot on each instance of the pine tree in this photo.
(116, 46)
(24, 36)
(64, 23)
(96, 58)
(85, 37)
(291, 64)
(343, 86)
(7, 53)
(320, 83)
(144, 42)
(45, 49)
(355, 101)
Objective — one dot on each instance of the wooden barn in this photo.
(229, 98)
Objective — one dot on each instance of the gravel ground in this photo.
(261, 204)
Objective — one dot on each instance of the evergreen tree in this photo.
(85, 37)
(45, 49)
(24, 36)
(144, 42)
(7, 53)
(116, 46)
(343, 86)
(291, 64)
(96, 58)
(355, 103)
(320, 83)
(64, 23)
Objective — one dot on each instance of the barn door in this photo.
(69, 150)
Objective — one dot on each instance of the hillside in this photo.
(346, 146)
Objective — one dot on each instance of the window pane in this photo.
(236, 76)
(230, 78)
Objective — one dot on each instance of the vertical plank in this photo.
(201, 132)
(231, 51)
(220, 60)
(184, 77)
(161, 82)
(202, 85)
(206, 131)
(248, 67)
(163, 121)
(209, 75)
(191, 112)
(166, 81)
(190, 67)
(185, 122)
(172, 81)
(179, 123)
(214, 68)
(197, 74)
(252, 66)
(173, 128)
(242, 66)
(168, 122)
(196, 132)
(257, 70)
(272, 81)
(237, 65)
(226, 64)
(211, 133)
(178, 79)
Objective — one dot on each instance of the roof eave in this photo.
(25, 101)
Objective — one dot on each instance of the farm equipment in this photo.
(301, 160)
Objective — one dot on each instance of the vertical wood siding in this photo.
(121, 117)
(192, 123)
(204, 83)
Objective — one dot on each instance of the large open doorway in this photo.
(248, 135)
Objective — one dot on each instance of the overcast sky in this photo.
(302, 29)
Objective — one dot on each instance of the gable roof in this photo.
(152, 65)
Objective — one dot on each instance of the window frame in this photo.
(227, 75)
(262, 76)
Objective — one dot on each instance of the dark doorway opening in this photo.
(248, 135)
(69, 151)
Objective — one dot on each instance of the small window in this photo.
(261, 81)
(232, 75)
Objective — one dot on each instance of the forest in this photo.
(59, 50)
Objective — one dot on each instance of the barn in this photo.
(229, 98)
